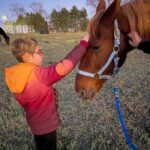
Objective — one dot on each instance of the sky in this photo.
(47, 4)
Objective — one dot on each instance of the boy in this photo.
(31, 85)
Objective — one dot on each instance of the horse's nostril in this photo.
(81, 94)
(92, 94)
(89, 94)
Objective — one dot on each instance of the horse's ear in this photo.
(111, 13)
(101, 5)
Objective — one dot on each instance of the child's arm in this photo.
(51, 74)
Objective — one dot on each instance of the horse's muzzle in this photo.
(89, 94)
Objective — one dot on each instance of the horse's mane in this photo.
(138, 14)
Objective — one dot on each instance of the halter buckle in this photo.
(96, 76)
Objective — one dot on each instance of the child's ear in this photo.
(27, 57)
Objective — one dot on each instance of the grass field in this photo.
(85, 125)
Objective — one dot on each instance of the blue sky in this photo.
(47, 4)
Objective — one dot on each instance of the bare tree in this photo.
(37, 8)
(17, 9)
(93, 3)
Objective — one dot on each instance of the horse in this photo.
(6, 37)
(97, 64)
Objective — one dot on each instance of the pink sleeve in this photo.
(50, 75)
(47, 75)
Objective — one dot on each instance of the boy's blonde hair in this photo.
(23, 45)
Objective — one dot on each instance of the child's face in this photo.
(35, 58)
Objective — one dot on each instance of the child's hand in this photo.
(86, 37)
(135, 39)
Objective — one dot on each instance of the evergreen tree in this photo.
(20, 20)
(30, 19)
(83, 19)
(75, 18)
(37, 21)
(64, 18)
(54, 20)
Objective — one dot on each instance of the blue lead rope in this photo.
(125, 132)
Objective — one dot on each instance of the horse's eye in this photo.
(95, 47)
(124, 33)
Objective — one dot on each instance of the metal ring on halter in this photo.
(116, 49)
(96, 76)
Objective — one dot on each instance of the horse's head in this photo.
(101, 46)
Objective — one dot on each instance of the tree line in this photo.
(59, 21)
(73, 20)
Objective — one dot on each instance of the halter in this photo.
(113, 56)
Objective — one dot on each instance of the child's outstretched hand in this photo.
(86, 37)
(135, 39)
